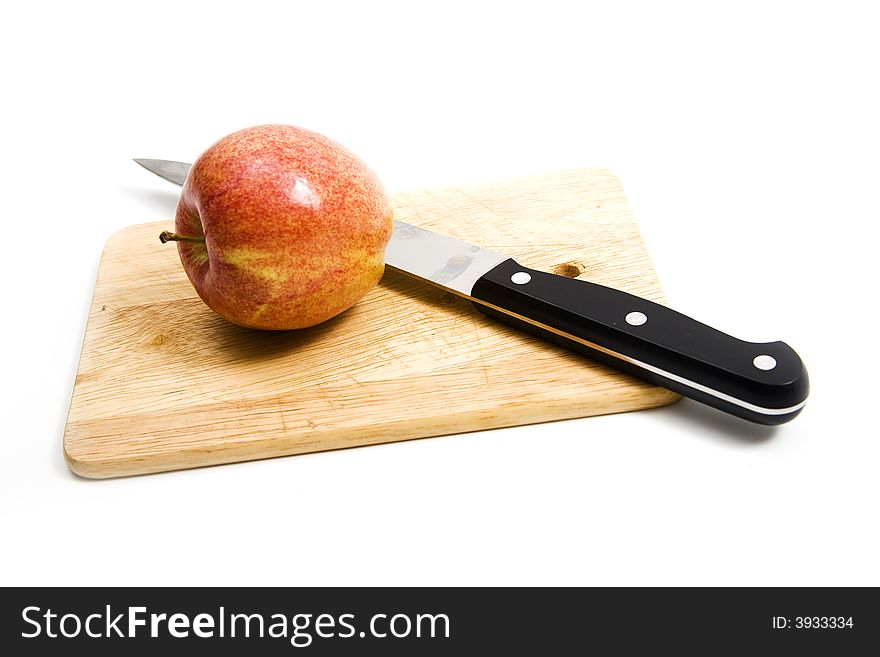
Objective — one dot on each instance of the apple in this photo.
(278, 227)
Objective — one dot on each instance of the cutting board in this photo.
(165, 384)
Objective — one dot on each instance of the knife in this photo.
(765, 383)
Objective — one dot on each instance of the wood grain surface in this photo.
(165, 384)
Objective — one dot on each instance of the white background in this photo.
(747, 140)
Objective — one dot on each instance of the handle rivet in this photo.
(636, 318)
(521, 277)
(764, 362)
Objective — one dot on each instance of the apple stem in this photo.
(165, 236)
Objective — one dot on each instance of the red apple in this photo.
(279, 227)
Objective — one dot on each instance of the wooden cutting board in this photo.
(164, 383)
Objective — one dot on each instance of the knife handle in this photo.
(764, 383)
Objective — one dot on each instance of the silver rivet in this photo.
(636, 318)
(521, 277)
(764, 362)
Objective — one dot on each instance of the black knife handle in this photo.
(764, 383)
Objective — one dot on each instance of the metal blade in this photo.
(445, 261)
(173, 172)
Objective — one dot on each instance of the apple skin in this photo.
(294, 227)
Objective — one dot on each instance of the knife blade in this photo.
(765, 383)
